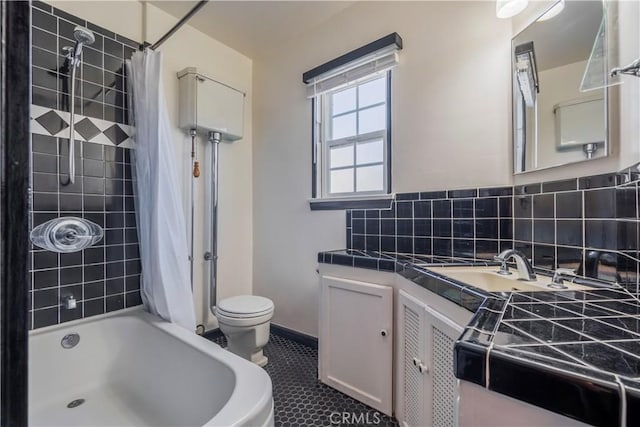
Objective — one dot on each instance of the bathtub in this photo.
(131, 368)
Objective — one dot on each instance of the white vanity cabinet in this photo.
(355, 348)
(388, 343)
(426, 390)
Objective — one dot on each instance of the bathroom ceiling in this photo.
(568, 37)
(254, 28)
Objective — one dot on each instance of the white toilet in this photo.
(245, 321)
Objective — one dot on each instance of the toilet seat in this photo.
(244, 322)
(245, 307)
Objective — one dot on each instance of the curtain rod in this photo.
(180, 23)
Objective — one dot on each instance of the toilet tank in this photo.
(209, 106)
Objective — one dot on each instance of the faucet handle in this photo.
(564, 272)
(557, 282)
(504, 268)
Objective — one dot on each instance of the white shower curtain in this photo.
(164, 252)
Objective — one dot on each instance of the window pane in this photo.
(370, 178)
(341, 155)
(370, 152)
(372, 119)
(342, 181)
(344, 126)
(343, 101)
(372, 92)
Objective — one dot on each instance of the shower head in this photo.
(84, 35)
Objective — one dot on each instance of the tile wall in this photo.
(104, 277)
(588, 224)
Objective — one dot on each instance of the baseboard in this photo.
(296, 336)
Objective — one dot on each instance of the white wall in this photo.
(451, 129)
(559, 85)
(189, 47)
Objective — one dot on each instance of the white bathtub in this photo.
(132, 368)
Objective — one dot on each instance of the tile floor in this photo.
(299, 398)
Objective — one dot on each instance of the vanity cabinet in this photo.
(388, 343)
(427, 390)
(355, 348)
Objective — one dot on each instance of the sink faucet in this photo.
(525, 270)
(559, 276)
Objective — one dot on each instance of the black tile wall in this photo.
(454, 223)
(104, 277)
(101, 88)
(588, 224)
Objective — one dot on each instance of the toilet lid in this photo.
(245, 306)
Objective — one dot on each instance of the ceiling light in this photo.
(553, 12)
(509, 8)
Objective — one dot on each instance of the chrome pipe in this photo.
(179, 24)
(193, 134)
(73, 62)
(74, 57)
(212, 254)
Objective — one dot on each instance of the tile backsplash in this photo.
(104, 277)
(589, 224)
(101, 88)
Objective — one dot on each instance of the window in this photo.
(352, 126)
(353, 137)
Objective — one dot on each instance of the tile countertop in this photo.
(576, 353)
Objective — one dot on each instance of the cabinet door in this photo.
(356, 340)
(441, 386)
(410, 407)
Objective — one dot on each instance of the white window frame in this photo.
(323, 114)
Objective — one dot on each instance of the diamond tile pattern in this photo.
(116, 134)
(52, 122)
(299, 398)
(87, 129)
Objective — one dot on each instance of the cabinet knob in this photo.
(383, 332)
(422, 368)
(416, 361)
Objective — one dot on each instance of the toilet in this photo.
(244, 320)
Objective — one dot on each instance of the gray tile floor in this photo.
(300, 399)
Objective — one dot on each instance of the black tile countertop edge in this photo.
(578, 352)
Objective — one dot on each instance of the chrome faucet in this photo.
(559, 276)
(69, 302)
(525, 269)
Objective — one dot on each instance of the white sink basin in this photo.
(488, 279)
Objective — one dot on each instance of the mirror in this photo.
(557, 121)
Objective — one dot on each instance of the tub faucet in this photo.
(525, 270)
(69, 302)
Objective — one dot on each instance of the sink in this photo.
(488, 279)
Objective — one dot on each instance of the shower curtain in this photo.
(164, 251)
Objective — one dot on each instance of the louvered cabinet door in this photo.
(441, 387)
(410, 404)
(356, 340)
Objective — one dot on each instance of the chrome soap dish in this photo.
(66, 234)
